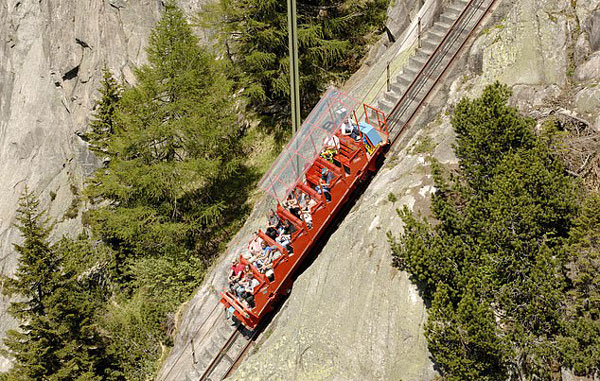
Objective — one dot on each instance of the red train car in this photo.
(332, 147)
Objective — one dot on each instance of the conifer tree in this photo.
(57, 339)
(170, 192)
(580, 342)
(176, 145)
(103, 122)
(493, 265)
(332, 38)
(34, 345)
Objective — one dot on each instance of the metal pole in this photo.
(387, 70)
(294, 76)
(193, 351)
(419, 31)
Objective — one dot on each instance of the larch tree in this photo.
(168, 196)
(102, 124)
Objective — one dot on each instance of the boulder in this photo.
(589, 69)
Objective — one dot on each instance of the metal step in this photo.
(398, 88)
(449, 18)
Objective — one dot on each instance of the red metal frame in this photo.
(354, 157)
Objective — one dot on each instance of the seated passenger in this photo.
(241, 284)
(273, 220)
(254, 246)
(235, 272)
(248, 293)
(307, 217)
(272, 232)
(331, 143)
(262, 262)
(331, 147)
(291, 204)
(287, 228)
(324, 183)
(350, 128)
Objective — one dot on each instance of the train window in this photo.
(347, 169)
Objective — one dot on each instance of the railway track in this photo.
(237, 343)
(435, 67)
(230, 355)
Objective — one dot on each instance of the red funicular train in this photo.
(313, 177)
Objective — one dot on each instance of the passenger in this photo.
(324, 183)
(263, 261)
(241, 284)
(273, 220)
(285, 240)
(272, 232)
(254, 246)
(307, 217)
(248, 294)
(350, 128)
(291, 204)
(235, 272)
(331, 143)
(288, 228)
(302, 198)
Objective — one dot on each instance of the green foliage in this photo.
(57, 339)
(493, 266)
(102, 125)
(176, 151)
(580, 342)
(486, 130)
(463, 337)
(172, 191)
(332, 38)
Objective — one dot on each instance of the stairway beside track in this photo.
(424, 69)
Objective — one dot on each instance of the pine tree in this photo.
(57, 339)
(463, 338)
(487, 129)
(502, 222)
(103, 123)
(580, 342)
(332, 38)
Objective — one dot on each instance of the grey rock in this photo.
(590, 69)
(50, 60)
(587, 101)
(592, 27)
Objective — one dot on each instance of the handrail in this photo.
(404, 40)
(492, 2)
(431, 57)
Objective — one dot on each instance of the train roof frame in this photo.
(299, 154)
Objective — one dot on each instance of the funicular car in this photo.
(297, 170)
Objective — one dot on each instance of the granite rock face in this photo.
(51, 53)
(351, 316)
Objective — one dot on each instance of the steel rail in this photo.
(238, 358)
(219, 356)
(433, 64)
(432, 57)
(194, 336)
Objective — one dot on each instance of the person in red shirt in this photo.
(235, 271)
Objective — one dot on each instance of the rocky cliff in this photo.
(51, 53)
(351, 315)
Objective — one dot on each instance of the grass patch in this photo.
(424, 144)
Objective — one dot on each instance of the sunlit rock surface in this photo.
(51, 53)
